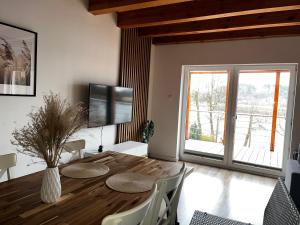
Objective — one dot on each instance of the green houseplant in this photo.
(148, 131)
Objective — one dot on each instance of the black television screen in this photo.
(109, 105)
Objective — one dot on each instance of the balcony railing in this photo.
(251, 129)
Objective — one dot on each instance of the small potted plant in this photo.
(45, 135)
(148, 131)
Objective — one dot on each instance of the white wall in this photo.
(74, 48)
(166, 74)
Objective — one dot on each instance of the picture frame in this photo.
(18, 61)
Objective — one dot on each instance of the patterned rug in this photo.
(200, 218)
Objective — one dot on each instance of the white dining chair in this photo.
(72, 150)
(163, 210)
(6, 162)
(134, 216)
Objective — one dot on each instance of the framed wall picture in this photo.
(18, 49)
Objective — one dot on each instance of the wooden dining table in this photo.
(83, 201)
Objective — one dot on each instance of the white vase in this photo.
(51, 186)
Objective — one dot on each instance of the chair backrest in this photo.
(168, 192)
(281, 208)
(134, 216)
(7, 161)
(77, 146)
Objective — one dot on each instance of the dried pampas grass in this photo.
(49, 129)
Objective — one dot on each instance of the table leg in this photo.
(176, 222)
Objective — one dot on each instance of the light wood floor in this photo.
(224, 193)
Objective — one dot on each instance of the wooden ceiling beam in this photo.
(229, 35)
(245, 22)
(98, 7)
(201, 10)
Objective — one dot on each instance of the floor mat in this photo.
(200, 218)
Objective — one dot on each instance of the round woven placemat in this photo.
(85, 170)
(130, 182)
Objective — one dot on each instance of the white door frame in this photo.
(233, 70)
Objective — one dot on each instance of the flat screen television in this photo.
(109, 105)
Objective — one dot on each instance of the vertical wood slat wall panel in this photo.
(134, 73)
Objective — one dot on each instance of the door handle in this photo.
(234, 118)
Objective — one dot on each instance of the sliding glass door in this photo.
(206, 111)
(238, 116)
(261, 113)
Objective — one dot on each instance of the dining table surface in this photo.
(83, 201)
